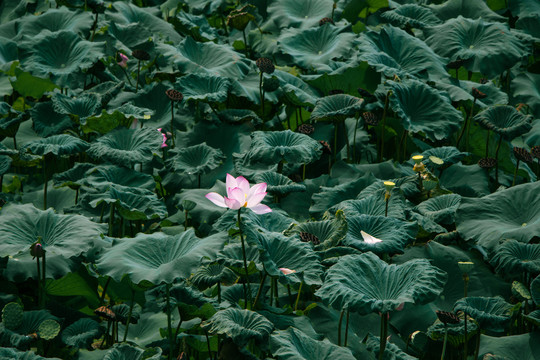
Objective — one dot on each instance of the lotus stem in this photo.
(276, 293)
(465, 288)
(104, 292)
(44, 279)
(129, 314)
(138, 72)
(44, 183)
(290, 295)
(219, 291)
(346, 133)
(298, 296)
(261, 94)
(208, 344)
(339, 326)
(280, 167)
(271, 291)
(347, 327)
(40, 288)
(111, 219)
(94, 27)
(444, 341)
(172, 343)
(386, 200)
(465, 126)
(179, 322)
(477, 348)
(127, 76)
(172, 124)
(334, 153)
(515, 173)
(15, 141)
(354, 141)
(384, 332)
(303, 174)
(245, 262)
(245, 42)
(224, 25)
(487, 143)
(260, 290)
(383, 126)
(497, 160)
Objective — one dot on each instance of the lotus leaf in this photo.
(367, 284)
(279, 251)
(504, 120)
(303, 13)
(205, 87)
(391, 351)
(197, 25)
(126, 146)
(424, 109)
(535, 290)
(462, 90)
(413, 15)
(336, 106)
(448, 154)
(375, 205)
(195, 160)
(193, 57)
(14, 354)
(65, 235)
(103, 176)
(144, 332)
(456, 332)
(466, 180)
(507, 214)
(393, 234)
(72, 177)
(248, 87)
(125, 351)
(526, 87)
(316, 47)
(239, 116)
(293, 344)
(58, 145)
(515, 258)
(211, 274)
(297, 91)
(169, 257)
(487, 48)
(55, 20)
(61, 54)
(205, 6)
(82, 106)
(275, 146)
(48, 122)
(492, 313)
(275, 221)
(471, 9)
(440, 209)
(513, 347)
(5, 163)
(394, 52)
(278, 184)
(328, 233)
(523, 8)
(231, 255)
(8, 52)
(240, 325)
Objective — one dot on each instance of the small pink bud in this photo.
(286, 271)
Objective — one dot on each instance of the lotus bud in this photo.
(286, 271)
(36, 250)
(121, 60)
(465, 266)
(418, 164)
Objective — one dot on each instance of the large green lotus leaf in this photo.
(522, 8)
(14, 354)
(504, 120)
(487, 48)
(448, 154)
(5, 163)
(507, 214)
(73, 177)
(248, 87)
(131, 203)
(394, 52)
(367, 284)
(375, 205)
(103, 176)
(126, 351)
(316, 47)
(526, 88)
(28, 85)
(275, 221)
(296, 90)
(81, 333)
(61, 54)
(492, 313)
(423, 109)
(231, 255)
(205, 6)
(197, 26)
(466, 180)
(146, 18)
(336, 106)
(279, 251)
(109, 120)
(48, 122)
(287, 146)
(293, 344)
(440, 209)
(195, 160)
(211, 274)
(127, 147)
(278, 184)
(392, 351)
(471, 9)
(240, 325)
(58, 145)
(391, 235)
(8, 52)
(461, 90)
(302, 13)
(327, 233)
(235, 116)
(514, 347)
(205, 87)
(413, 15)
(130, 36)
(194, 57)
(64, 235)
(82, 106)
(56, 20)
(146, 331)
(168, 258)
(515, 258)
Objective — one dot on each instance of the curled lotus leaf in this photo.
(316, 47)
(367, 284)
(297, 91)
(62, 144)
(424, 109)
(83, 106)
(411, 14)
(104, 176)
(391, 351)
(448, 154)
(195, 160)
(14, 354)
(73, 177)
(240, 325)
(456, 332)
(169, 257)
(55, 20)
(336, 107)
(487, 48)
(127, 147)
(47, 121)
(278, 183)
(440, 209)
(508, 214)
(231, 255)
(505, 120)
(239, 116)
(275, 146)
(81, 333)
(394, 52)
(515, 258)
(471, 9)
(302, 13)
(492, 313)
(248, 87)
(379, 234)
(524, 8)
(204, 87)
(195, 57)
(61, 54)
(211, 274)
(375, 205)
(327, 233)
(293, 344)
(526, 88)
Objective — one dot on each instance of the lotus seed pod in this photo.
(389, 185)
(370, 118)
(174, 95)
(306, 129)
(49, 329)
(465, 266)
(12, 315)
(477, 94)
(447, 317)
(326, 20)
(535, 151)
(307, 237)
(522, 154)
(418, 164)
(265, 65)
(487, 163)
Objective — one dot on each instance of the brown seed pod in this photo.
(447, 317)
(265, 65)
(477, 94)
(326, 147)
(174, 95)
(487, 163)
(307, 237)
(105, 312)
(535, 151)
(326, 20)
(522, 154)
(370, 118)
(305, 129)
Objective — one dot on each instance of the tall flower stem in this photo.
(261, 94)
(340, 323)
(111, 219)
(172, 343)
(260, 290)
(127, 77)
(383, 126)
(245, 261)
(497, 160)
(44, 183)
(487, 144)
(128, 321)
(384, 333)
(346, 327)
(444, 341)
(138, 72)
(465, 126)
(354, 140)
(515, 173)
(298, 296)
(465, 290)
(40, 288)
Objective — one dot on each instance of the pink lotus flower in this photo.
(239, 195)
(123, 60)
(163, 144)
(286, 271)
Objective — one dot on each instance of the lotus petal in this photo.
(492, 313)
(169, 257)
(504, 120)
(507, 214)
(487, 48)
(367, 284)
(205, 87)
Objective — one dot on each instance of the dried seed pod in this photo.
(477, 94)
(326, 20)
(326, 147)
(307, 237)
(487, 163)
(305, 129)
(370, 118)
(105, 312)
(522, 154)
(265, 65)
(174, 95)
(535, 151)
(447, 317)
